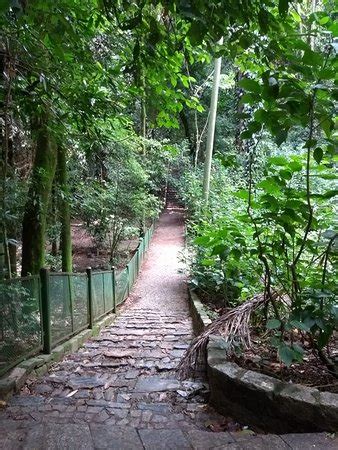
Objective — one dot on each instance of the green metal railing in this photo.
(122, 286)
(39, 312)
(20, 320)
(67, 295)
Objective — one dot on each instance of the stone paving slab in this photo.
(319, 441)
(202, 440)
(156, 384)
(115, 438)
(261, 442)
(27, 436)
(164, 440)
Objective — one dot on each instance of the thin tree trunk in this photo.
(211, 127)
(187, 132)
(6, 66)
(34, 221)
(143, 130)
(54, 220)
(11, 227)
(66, 235)
(239, 110)
(143, 121)
(12, 248)
(199, 137)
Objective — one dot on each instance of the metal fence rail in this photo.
(68, 293)
(20, 320)
(40, 311)
(122, 286)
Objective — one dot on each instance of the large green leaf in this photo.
(283, 6)
(270, 186)
(250, 85)
(286, 354)
(4, 5)
(318, 155)
(278, 160)
(273, 324)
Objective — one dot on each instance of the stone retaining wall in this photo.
(266, 402)
(259, 400)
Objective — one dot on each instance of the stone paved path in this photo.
(120, 391)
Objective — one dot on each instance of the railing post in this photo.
(128, 273)
(45, 311)
(90, 297)
(103, 294)
(141, 249)
(71, 305)
(113, 287)
(138, 260)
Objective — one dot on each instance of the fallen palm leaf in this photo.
(234, 326)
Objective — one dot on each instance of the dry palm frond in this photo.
(233, 326)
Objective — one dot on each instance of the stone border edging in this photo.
(258, 399)
(264, 401)
(199, 315)
(39, 364)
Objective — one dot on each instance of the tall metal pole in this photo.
(211, 126)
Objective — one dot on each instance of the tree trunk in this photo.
(239, 111)
(143, 119)
(64, 208)
(12, 231)
(34, 221)
(12, 248)
(187, 132)
(5, 64)
(211, 127)
(54, 220)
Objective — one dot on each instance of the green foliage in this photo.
(221, 267)
(109, 205)
(284, 205)
(248, 231)
(20, 323)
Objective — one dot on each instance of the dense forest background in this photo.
(106, 103)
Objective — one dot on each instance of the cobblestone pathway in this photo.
(120, 391)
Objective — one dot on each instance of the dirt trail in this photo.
(120, 390)
(160, 286)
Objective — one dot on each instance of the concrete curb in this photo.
(264, 401)
(39, 365)
(198, 312)
(261, 400)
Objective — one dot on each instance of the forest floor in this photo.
(262, 356)
(85, 253)
(120, 391)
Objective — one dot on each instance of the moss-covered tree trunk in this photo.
(34, 221)
(5, 123)
(12, 226)
(54, 219)
(239, 110)
(2, 223)
(64, 208)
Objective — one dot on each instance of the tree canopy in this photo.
(100, 98)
